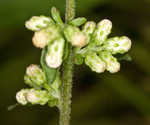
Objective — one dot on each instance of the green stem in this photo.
(70, 10)
(66, 90)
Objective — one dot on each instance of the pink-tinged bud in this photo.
(40, 39)
(35, 96)
(34, 76)
(44, 37)
(95, 63)
(32, 69)
(112, 65)
(79, 39)
(75, 36)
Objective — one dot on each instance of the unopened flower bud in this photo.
(79, 39)
(102, 31)
(118, 44)
(54, 56)
(35, 96)
(43, 37)
(34, 76)
(112, 65)
(88, 29)
(37, 23)
(21, 96)
(75, 36)
(95, 63)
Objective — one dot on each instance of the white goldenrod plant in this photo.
(68, 44)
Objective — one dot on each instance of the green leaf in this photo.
(49, 72)
(56, 16)
(78, 21)
(121, 57)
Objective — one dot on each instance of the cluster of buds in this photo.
(33, 96)
(91, 45)
(100, 51)
(48, 34)
(35, 78)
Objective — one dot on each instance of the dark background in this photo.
(98, 99)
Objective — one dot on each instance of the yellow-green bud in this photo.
(43, 37)
(37, 23)
(103, 30)
(34, 76)
(95, 63)
(35, 96)
(21, 96)
(54, 56)
(75, 36)
(118, 44)
(112, 65)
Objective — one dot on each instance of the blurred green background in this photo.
(98, 99)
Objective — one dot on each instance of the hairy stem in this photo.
(70, 10)
(66, 90)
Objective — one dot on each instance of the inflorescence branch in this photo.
(63, 45)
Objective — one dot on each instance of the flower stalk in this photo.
(66, 88)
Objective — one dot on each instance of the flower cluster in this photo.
(33, 96)
(40, 93)
(91, 45)
(100, 50)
